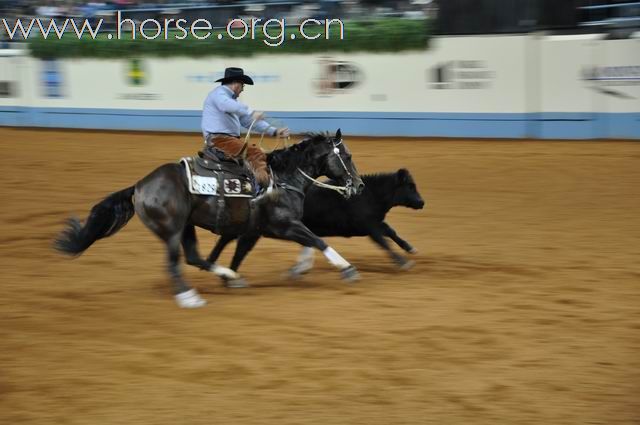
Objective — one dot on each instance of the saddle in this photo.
(214, 173)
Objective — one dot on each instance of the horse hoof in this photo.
(292, 274)
(224, 272)
(412, 251)
(407, 265)
(297, 271)
(190, 299)
(350, 274)
(236, 283)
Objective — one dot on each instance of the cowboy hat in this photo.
(235, 74)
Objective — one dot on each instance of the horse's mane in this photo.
(287, 159)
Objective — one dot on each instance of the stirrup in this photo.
(261, 191)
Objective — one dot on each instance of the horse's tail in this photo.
(105, 219)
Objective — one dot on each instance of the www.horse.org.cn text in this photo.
(273, 31)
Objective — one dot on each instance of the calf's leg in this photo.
(389, 232)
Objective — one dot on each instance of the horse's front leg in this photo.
(304, 263)
(223, 241)
(245, 244)
(298, 232)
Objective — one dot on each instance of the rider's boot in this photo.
(265, 191)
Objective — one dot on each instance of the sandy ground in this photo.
(523, 306)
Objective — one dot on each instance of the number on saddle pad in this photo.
(205, 185)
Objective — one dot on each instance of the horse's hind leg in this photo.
(190, 246)
(153, 207)
(186, 297)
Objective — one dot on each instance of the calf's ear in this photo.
(403, 175)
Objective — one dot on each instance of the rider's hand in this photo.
(282, 132)
(257, 116)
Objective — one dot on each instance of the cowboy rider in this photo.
(223, 115)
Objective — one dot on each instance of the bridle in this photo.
(342, 190)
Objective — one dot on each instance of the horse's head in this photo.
(334, 160)
(319, 155)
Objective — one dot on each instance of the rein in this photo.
(243, 151)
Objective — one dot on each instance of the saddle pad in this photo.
(216, 183)
(207, 164)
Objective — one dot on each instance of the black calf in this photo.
(326, 213)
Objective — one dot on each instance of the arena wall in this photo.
(570, 87)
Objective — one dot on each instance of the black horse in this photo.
(164, 204)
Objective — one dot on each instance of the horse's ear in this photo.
(338, 134)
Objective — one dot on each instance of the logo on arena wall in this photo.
(8, 89)
(136, 75)
(337, 77)
(51, 79)
(461, 75)
(604, 79)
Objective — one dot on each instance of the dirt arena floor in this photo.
(523, 306)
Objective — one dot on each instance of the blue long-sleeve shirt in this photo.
(223, 113)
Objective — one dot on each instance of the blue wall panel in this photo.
(533, 125)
